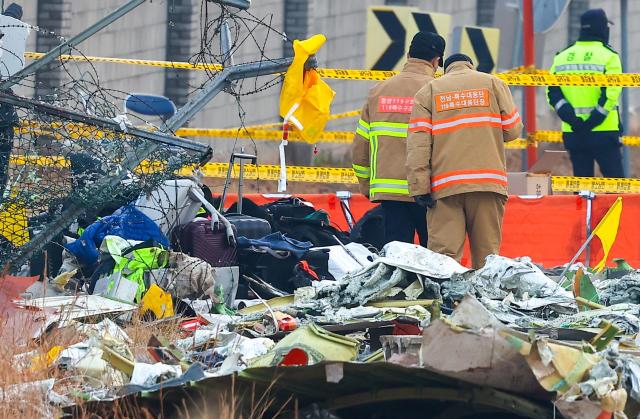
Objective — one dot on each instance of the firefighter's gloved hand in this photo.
(595, 118)
(425, 201)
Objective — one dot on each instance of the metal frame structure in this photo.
(219, 83)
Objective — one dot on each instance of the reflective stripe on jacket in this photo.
(457, 132)
(588, 57)
(379, 146)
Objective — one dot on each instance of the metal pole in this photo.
(625, 91)
(589, 197)
(528, 40)
(104, 123)
(241, 182)
(219, 83)
(66, 47)
(134, 158)
(226, 44)
(577, 255)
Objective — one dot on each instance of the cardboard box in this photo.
(522, 183)
(537, 181)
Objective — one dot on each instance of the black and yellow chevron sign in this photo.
(390, 30)
(480, 43)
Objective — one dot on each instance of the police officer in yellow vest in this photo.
(590, 121)
(379, 145)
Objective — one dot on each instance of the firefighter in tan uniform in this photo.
(379, 145)
(455, 158)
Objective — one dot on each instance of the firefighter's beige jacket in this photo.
(379, 146)
(457, 131)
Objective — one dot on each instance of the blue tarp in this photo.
(127, 222)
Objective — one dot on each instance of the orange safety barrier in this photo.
(549, 229)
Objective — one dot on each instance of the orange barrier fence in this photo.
(548, 229)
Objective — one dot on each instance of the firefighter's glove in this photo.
(595, 118)
(425, 201)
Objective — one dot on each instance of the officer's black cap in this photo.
(594, 20)
(457, 57)
(427, 46)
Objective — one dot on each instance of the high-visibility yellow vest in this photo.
(590, 57)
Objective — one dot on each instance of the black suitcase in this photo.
(248, 226)
(289, 208)
(198, 239)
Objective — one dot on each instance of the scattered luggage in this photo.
(206, 240)
(248, 226)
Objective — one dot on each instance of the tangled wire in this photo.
(71, 156)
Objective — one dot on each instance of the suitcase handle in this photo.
(216, 217)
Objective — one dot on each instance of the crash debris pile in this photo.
(168, 290)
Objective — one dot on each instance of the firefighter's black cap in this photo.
(427, 46)
(457, 57)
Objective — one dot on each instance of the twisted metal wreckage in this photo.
(405, 324)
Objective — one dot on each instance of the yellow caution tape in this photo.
(338, 137)
(346, 137)
(525, 78)
(76, 131)
(518, 144)
(149, 63)
(341, 175)
(546, 79)
(350, 74)
(272, 172)
(596, 185)
(345, 175)
(341, 115)
(348, 114)
(556, 137)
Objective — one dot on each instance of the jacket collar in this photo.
(587, 40)
(458, 67)
(418, 66)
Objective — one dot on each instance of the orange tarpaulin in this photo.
(549, 229)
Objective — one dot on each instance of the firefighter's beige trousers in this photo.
(478, 214)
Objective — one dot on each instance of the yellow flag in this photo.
(607, 230)
(305, 99)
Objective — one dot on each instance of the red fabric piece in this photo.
(18, 325)
(295, 358)
(12, 286)
(304, 265)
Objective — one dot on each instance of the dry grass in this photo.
(19, 399)
(235, 402)
(16, 399)
(140, 332)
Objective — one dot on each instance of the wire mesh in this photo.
(50, 161)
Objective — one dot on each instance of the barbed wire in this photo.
(50, 162)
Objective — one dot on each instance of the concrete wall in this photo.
(123, 38)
